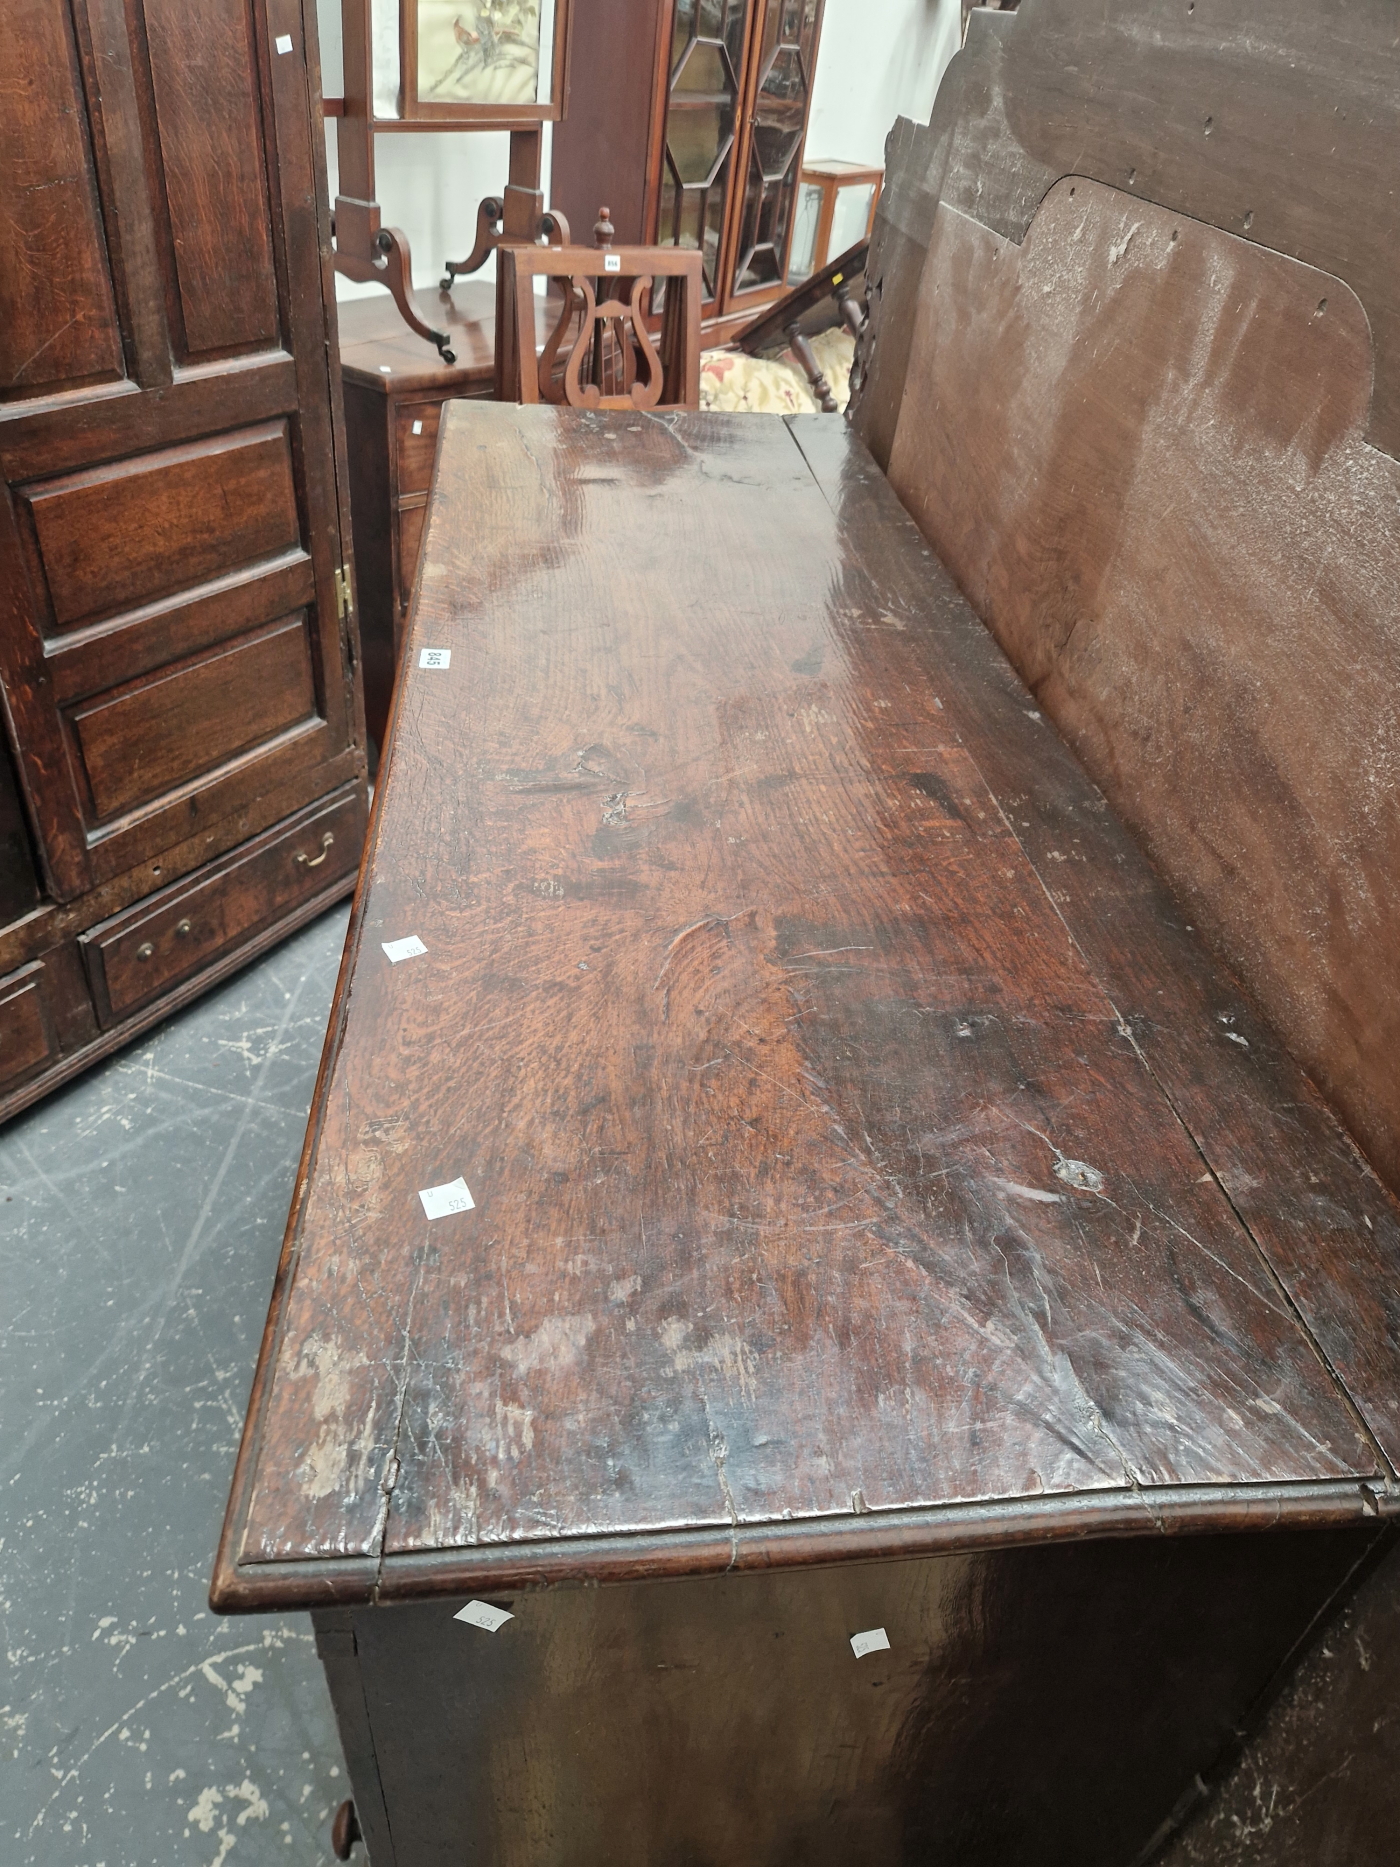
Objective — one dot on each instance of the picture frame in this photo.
(483, 64)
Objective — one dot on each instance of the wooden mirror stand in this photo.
(371, 253)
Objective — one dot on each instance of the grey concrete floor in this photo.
(141, 1214)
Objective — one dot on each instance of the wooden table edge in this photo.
(939, 1530)
(226, 1565)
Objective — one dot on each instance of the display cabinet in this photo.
(688, 118)
(835, 211)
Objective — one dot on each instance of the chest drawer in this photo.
(416, 431)
(148, 949)
(26, 1032)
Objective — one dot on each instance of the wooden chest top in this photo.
(863, 1156)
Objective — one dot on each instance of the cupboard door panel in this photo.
(203, 66)
(158, 735)
(148, 640)
(125, 533)
(58, 321)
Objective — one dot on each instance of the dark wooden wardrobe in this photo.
(182, 774)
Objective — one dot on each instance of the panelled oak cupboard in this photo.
(182, 773)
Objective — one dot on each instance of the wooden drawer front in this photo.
(417, 426)
(409, 520)
(26, 1032)
(150, 948)
(152, 736)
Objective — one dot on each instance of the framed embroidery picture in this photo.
(491, 63)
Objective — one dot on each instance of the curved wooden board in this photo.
(1138, 443)
(1279, 124)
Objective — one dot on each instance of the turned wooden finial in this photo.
(603, 229)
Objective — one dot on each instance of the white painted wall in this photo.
(879, 59)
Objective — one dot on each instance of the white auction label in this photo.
(408, 948)
(482, 1614)
(435, 658)
(284, 42)
(874, 1640)
(417, 427)
(612, 262)
(439, 1201)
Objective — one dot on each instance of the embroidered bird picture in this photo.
(479, 52)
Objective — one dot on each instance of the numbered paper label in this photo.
(874, 1640)
(435, 658)
(439, 1201)
(482, 1614)
(407, 948)
(612, 262)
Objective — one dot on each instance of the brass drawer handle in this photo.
(147, 951)
(314, 862)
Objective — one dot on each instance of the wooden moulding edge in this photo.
(236, 1587)
(940, 1530)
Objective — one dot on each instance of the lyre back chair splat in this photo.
(612, 359)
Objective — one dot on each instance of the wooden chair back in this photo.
(601, 351)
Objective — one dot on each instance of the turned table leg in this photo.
(803, 351)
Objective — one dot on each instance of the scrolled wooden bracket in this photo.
(489, 218)
(375, 255)
(551, 229)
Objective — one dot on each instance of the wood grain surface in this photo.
(818, 1176)
(1311, 1200)
(1139, 445)
(1277, 124)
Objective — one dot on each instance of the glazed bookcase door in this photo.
(170, 527)
(770, 154)
(704, 110)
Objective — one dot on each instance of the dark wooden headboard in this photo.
(1134, 366)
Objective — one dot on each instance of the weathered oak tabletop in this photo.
(865, 1156)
